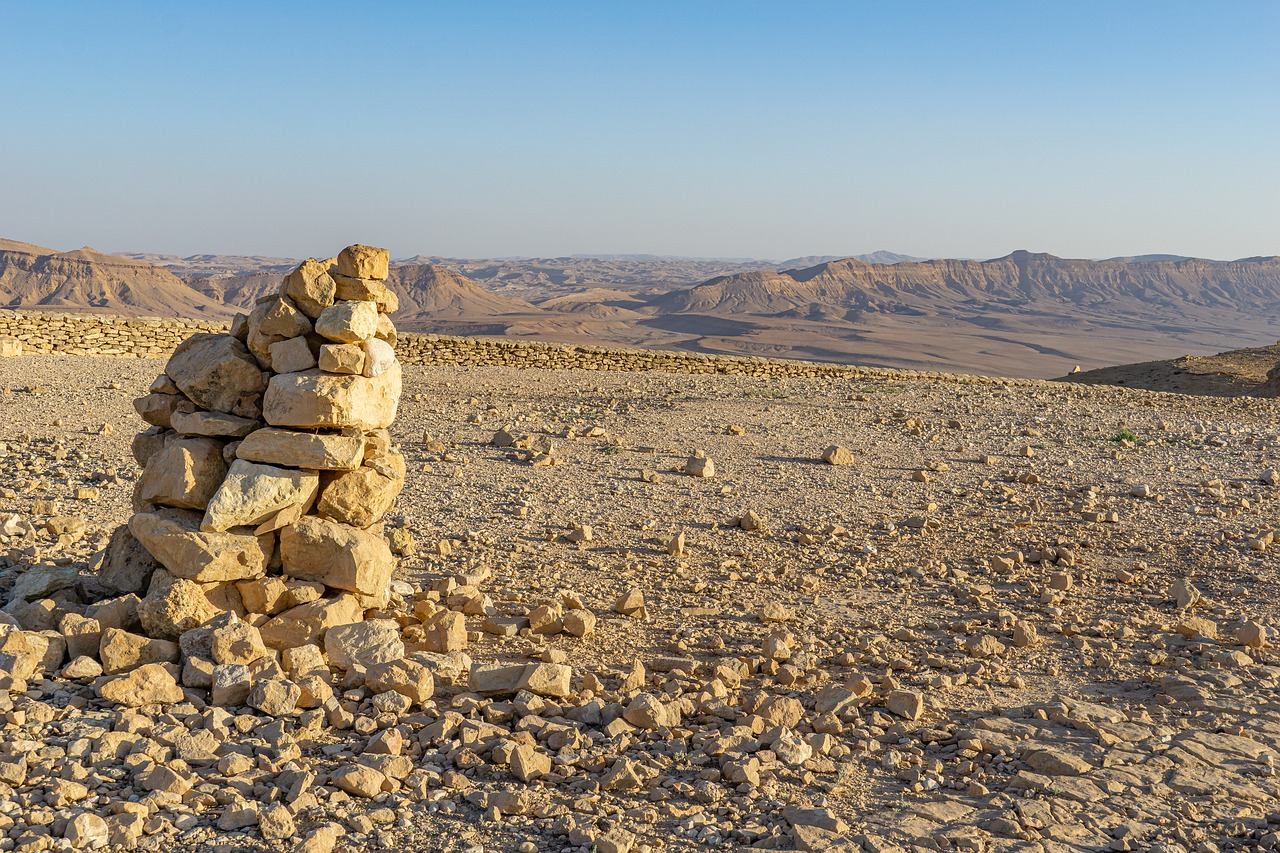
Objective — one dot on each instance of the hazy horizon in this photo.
(697, 130)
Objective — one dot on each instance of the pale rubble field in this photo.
(1022, 619)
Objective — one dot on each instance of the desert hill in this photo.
(1024, 314)
(88, 280)
(429, 293)
(1237, 373)
(209, 265)
(432, 299)
(1017, 280)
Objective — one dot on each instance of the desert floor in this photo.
(1024, 619)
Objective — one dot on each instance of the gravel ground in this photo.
(1064, 580)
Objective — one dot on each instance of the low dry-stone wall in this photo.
(155, 337)
(101, 334)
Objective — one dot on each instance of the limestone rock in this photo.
(1252, 633)
(630, 603)
(174, 538)
(368, 289)
(22, 654)
(409, 678)
(280, 318)
(148, 443)
(358, 780)
(837, 455)
(699, 466)
(310, 287)
(87, 830)
(386, 329)
(236, 642)
(316, 400)
(342, 358)
(363, 496)
(360, 261)
(231, 685)
(908, 704)
(173, 606)
(315, 451)
(185, 474)
(121, 651)
(252, 493)
(276, 823)
(41, 581)
(348, 322)
(364, 644)
(379, 357)
(308, 623)
(149, 684)
(83, 635)
(159, 409)
(217, 373)
(291, 355)
(276, 698)
(646, 711)
(339, 556)
(212, 424)
(529, 763)
(445, 632)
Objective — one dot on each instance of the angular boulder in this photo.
(342, 358)
(149, 684)
(185, 473)
(253, 493)
(292, 449)
(310, 287)
(348, 322)
(364, 644)
(363, 496)
(126, 566)
(213, 424)
(159, 409)
(340, 556)
(291, 355)
(368, 289)
(313, 399)
(174, 606)
(176, 541)
(308, 623)
(379, 357)
(217, 373)
(360, 261)
(121, 651)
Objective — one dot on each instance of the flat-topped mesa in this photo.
(267, 471)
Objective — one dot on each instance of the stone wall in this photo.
(154, 337)
(100, 334)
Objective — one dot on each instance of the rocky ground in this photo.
(1021, 619)
(1237, 373)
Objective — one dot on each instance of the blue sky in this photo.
(693, 128)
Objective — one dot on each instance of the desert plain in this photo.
(1034, 618)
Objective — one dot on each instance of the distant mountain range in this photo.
(1022, 314)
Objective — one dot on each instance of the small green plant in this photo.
(1125, 434)
(612, 450)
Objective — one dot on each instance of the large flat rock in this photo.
(316, 400)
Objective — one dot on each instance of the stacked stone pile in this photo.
(267, 471)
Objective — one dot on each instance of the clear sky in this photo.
(773, 130)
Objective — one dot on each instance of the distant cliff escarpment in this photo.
(88, 280)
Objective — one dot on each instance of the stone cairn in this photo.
(267, 470)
